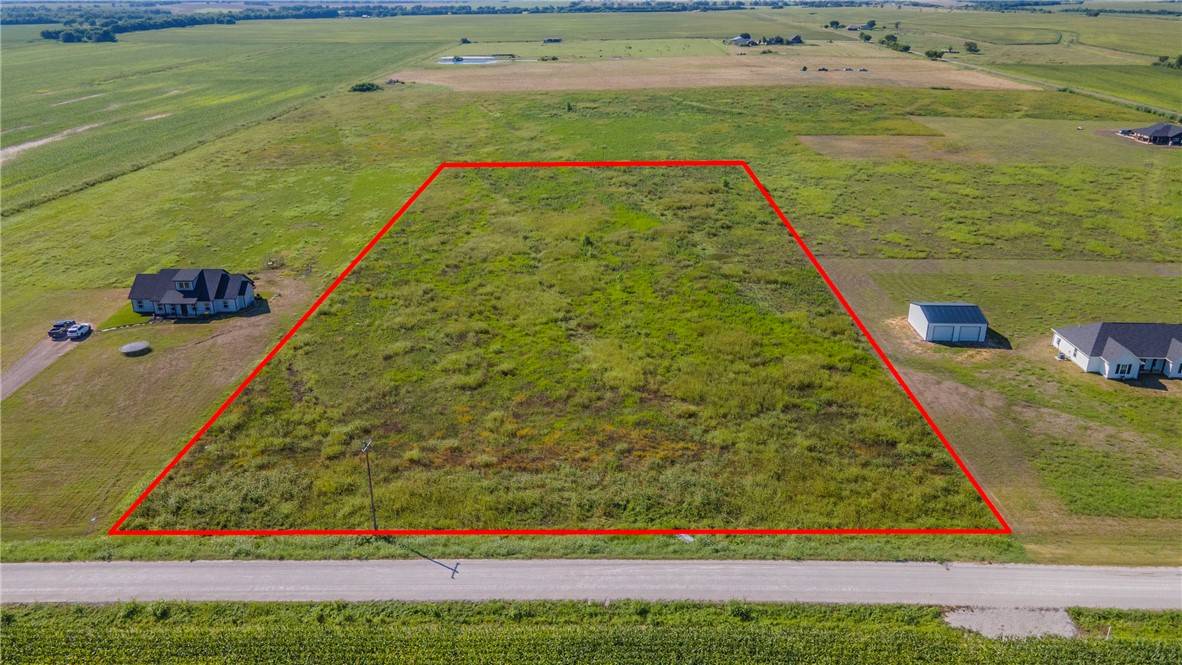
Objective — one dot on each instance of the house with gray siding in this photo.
(190, 293)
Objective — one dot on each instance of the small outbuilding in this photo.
(948, 321)
(795, 39)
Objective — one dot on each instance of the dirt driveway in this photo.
(41, 356)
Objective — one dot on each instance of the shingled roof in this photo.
(208, 284)
(1144, 340)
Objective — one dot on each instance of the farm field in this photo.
(625, 632)
(593, 49)
(788, 66)
(144, 99)
(1159, 86)
(528, 350)
(1085, 466)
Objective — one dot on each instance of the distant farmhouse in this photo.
(190, 293)
(948, 321)
(1162, 133)
(1123, 350)
(742, 41)
(795, 39)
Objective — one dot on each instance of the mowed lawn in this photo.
(575, 349)
(1159, 86)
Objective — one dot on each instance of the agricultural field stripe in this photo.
(1003, 529)
(282, 342)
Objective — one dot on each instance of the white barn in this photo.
(948, 321)
(1122, 350)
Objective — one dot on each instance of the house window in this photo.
(1057, 340)
(1073, 352)
(184, 286)
(1124, 369)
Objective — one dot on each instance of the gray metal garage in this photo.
(948, 321)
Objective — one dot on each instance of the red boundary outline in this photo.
(1003, 529)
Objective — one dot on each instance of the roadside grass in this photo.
(531, 349)
(126, 316)
(826, 548)
(525, 631)
(1159, 86)
(1127, 624)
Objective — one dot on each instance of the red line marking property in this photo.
(1004, 527)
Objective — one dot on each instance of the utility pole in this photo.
(373, 508)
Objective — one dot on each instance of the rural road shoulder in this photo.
(959, 584)
(30, 365)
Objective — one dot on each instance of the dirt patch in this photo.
(999, 622)
(705, 71)
(909, 148)
(78, 99)
(906, 337)
(13, 151)
(30, 365)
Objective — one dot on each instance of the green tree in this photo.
(896, 25)
(745, 35)
(890, 39)
(835, 24)
(365, 87)
(933, 54)
(870, 24)
(465, 40)
(972, 47)
(865, 36)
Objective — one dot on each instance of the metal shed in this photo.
(948, 321)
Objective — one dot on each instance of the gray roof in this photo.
(952, 312)
(1159, 130)
(208, 284)
(1108, 340)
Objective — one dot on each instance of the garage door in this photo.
(969, 334)
(943, 333)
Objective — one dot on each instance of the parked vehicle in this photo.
(78, 331)
(59, 328)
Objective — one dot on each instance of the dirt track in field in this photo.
(704, 72)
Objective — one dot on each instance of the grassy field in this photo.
(152, 96)
(1158, 86)
(302, 192)
(529, 350)
(513, 632)
(1084, 466)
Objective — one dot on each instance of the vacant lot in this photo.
(699, 72)
(630, 348)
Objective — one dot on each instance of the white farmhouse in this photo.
(1123, 350)
(948, 321)
(190, 293)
